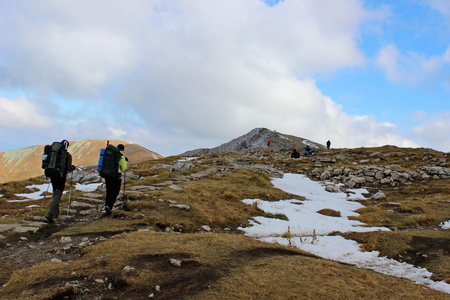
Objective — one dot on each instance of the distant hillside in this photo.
(258, 138)
(25, 163)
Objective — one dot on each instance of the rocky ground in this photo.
(35, 241)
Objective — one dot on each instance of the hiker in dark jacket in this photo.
(113, 183)
(295, 154)
(328, 144)
(58, 183)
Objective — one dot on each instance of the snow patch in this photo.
(88, 187)
(309, 229)
(446, 225)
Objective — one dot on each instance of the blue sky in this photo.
(179, 75)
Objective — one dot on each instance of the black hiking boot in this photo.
(107, 210)
(49, 219)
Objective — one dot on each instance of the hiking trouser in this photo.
(58, 188)
(112, 190)
(53, 212)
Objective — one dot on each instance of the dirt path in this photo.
(34, 242)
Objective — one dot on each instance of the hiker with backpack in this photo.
(56, 161)
(112, 163)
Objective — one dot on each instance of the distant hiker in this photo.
(328, 144)
(307, 151)
(268, 143)
(295, 154)
(113, 177)
(56, 161)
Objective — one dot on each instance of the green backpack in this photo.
(109, 158)
(55, 160)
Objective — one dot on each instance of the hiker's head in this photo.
(121, 147)
(65, 143)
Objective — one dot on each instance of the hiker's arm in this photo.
(69, 165)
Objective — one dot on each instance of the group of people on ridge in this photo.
(56, 169)
(308, 151)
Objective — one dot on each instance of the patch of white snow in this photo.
(309, 229)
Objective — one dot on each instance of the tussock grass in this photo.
(18, 211)
(307, 278)
(428, 249)
(213, 266)
(423, 204)
(227, 265)
(101, 226)
(215, 201)
(330, 212)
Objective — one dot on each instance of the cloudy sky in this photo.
(176, 75)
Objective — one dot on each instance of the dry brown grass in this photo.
(420, 205)
(215, 201)
(227, 265)
(213, 266)
(427, 249)
(330, 212)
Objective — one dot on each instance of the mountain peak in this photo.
(258, 138)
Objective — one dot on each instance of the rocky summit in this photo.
(258, 138)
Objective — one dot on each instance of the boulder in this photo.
(355, 182)
(181, 166)
(379, 195)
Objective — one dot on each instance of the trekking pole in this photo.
(45, 195)
(70, 192)
(124, 178)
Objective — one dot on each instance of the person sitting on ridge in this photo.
(307, 151)
(295, 154)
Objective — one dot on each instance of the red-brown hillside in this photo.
(25, 163)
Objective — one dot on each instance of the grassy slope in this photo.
(225, 264)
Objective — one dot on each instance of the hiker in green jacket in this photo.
(113, 183)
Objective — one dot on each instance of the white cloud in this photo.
(434, 131)
(419, 115)
(411, 68)
(22, 113)
(194, 71)
(69, 48)
(443, 6)
(117, 132)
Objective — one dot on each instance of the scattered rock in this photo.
(206, 228)
(66, 239)
(175, 262)
(175, 187)
(333, 188)
(182, 166)
(181, 206)
(379, 195)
